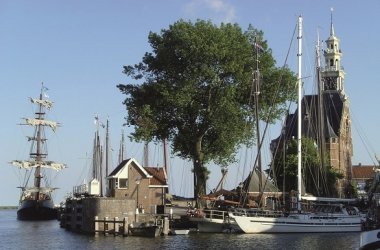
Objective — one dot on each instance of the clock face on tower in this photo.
(330, 83)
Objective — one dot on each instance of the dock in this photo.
(112, 216)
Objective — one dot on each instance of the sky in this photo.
(78, 50)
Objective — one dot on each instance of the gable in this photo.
(122, 169)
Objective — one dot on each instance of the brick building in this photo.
(147, 185)
(361, 174)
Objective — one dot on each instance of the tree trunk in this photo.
(200, 174)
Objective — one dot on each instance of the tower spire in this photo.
(332, 33)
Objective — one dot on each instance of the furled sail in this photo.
(35, 122)
(33, 164)
(36, 189)
(46, 103)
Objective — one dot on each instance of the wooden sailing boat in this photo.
(36, 202)
(95, 186)
(325, 218)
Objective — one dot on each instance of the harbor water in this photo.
(16, 234)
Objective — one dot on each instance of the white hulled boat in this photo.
(331, 216)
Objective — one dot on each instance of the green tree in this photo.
(316, 181)
(195, 89)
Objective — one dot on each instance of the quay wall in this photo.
(79, 213)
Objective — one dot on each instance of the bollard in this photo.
(115, 226)
(96, 229)
(105, 226)
(125, 226)
(165, 229)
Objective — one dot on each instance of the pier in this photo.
(111, 216)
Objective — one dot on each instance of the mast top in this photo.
(44, 90)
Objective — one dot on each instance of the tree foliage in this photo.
(195, 89)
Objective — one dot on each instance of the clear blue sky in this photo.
(78, 49)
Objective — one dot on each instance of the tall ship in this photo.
(36, 202)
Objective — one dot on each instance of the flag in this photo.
(258, 47)
(44, 91)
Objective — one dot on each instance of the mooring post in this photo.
(125, 225)
(96, 229)
(105, 226)
(115, 226)
(165, 230)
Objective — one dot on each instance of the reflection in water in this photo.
(48, 235)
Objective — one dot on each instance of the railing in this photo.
(215, 214)
(257, 213)
(111, 226)
(81, 189)
(333, 68)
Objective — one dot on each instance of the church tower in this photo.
(338, 147)
(333, 73)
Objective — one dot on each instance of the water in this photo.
(48, 235)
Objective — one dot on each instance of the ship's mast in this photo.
(256, 80)
(107, 147)
(38, 154)
(321, 133)
(122, 148)
(299, 127)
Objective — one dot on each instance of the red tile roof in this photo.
(159, 175)
(362, 172)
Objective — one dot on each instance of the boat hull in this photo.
(215, 221)
(174, 231)
(297, 224)
(145, 230)
(207, 225)
(36, 210)
(370, 240)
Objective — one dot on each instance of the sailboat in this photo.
(327, 217)
(36, 201)
(215, 219)
(370, 237)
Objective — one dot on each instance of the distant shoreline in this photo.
(8, 207)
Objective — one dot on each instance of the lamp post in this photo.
(137, 181)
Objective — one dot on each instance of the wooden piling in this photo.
(125, 226)
(115, 226)
(96, 229)
(105, 225)
(165, 229)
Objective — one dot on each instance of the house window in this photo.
(123, 183)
